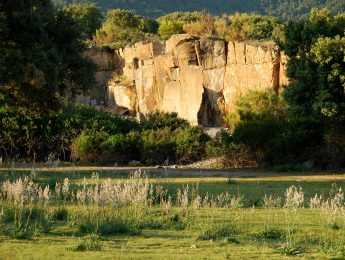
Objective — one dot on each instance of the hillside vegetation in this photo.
(284, 9)
(41, 56)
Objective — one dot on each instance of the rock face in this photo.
(199, 78)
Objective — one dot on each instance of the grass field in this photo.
(241, 225)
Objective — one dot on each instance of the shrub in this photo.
(204, 26)
(104, 221)
(173, 23)
(60, 214)
(233, 155)
(157, 120)
(157, 146)
(266, 128)
(122, 148)
(124, 27)
(190, 144)
(215, 230)
(271, 233)
(23, 135)
(86, 146)
(220, 145)
(241, 27)
(89, 243)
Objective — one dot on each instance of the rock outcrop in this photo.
(199, 78)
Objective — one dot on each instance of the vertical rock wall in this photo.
(199, 78)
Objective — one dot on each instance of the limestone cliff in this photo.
(199, 78)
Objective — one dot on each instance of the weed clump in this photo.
(89, 243)
(292, 249)
(271, 233)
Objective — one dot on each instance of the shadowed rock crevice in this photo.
(211, 113)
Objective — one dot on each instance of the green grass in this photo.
(174, 244)
(259, 233)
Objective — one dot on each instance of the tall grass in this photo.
(105, 207)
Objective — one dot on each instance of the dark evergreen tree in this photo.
(40, 56)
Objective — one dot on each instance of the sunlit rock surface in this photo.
(199, 78)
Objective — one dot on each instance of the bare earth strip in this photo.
(188, 172)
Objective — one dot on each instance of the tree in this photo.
(87, 15)
(329, 55)
(40, 55)
(316, 68)
(316, 61)
(241, 27)
(173, 23)
(123, 27)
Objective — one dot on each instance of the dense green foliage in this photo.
(36, 137)
(316, 66)
(88, 135)
(40, 56)
(88, 16)
(277, 137)
(174, 23)
(280, 8)
(241, 27)
(316, 47)
(123, 27)
(162, 138)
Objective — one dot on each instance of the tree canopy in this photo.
(87, 15)
(316, 47)
(282, 9)
(40, 56)
(123, 27)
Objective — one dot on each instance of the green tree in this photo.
(283, 9)
(87, 15)
(40, 56)
(316, 62)
(329, 55)
(316, 50)
(173, 23)
(123, 27)
(241, 27)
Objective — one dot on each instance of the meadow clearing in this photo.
(88, 213)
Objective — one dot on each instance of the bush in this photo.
(190, 144)
(159, 120)
(89, 243)
(124, 27)
(173, 23)
(266, 128)
(23, 135)
(164, 136)
(85, 134)
(271, 233)
(86, 146)
(93, 146)
(158, 146)
(216, 230)
(122, 148)
(60, 214)
(104, 221)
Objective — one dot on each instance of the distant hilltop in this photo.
(283, 9)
